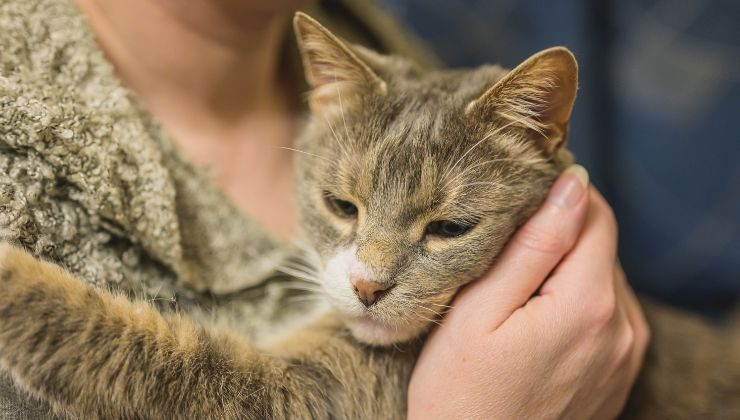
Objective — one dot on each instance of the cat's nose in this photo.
(369, 291)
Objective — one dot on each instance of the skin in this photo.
(582, 336)
(209, 72)
(195, 89)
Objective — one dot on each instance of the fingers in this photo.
(638, 334)
(582, 276)
(532, 253)
(632, 336)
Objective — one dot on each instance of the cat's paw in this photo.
(4, 250)
(6, 260)
(16, 263)
(7, 237)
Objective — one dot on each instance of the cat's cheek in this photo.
(337, 284)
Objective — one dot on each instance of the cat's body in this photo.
(97, 356)
(409, 184)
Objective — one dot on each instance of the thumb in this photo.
(531, 254)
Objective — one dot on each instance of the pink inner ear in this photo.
(332, 68)
(537, 95)
(558, 101)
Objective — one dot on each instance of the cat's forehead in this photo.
(427, 108)
(424, 157)
(419, 122)
(416, 146)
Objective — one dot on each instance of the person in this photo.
(200, 200)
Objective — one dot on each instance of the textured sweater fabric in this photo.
(90, 181)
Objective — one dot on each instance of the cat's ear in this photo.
(333, 71)
(538, 95)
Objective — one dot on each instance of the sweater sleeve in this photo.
(15, 405)
(48, 206)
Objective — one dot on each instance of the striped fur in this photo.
(407, 147)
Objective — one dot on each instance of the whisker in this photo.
(162, 299)
(308, 279)
(335, 137)
(304, 292)
(423, 318)
(489, 183)
(486, 137)
(488, 162)
(436, 313)
(341, 107)
(306, 153)
(296, 267)
(443, 306)
(308, 287)
(305, 298)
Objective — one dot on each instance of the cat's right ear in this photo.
(336, 75)
(538, 96)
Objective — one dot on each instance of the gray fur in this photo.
(92, 354)
(406, 146)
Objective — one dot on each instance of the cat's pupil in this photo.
(447, 228)
(342, 208)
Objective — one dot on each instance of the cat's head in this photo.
(410, 181)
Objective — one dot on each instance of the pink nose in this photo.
(369, 291)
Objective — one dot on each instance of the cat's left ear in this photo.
(538, 96)
(334, 72)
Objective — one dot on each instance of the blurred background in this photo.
(657, 120)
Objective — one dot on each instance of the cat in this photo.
(409, 184)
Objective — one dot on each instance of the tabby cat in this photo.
(409, 184)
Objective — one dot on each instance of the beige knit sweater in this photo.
(89, 180)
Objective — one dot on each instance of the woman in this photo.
(92, 182)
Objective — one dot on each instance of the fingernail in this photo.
(569, 188)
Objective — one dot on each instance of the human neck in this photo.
(203, 60)
(208, 71)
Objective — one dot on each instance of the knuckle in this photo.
(603, 313)
(550, 240)
(610, 219)
(625, 343)
(642, 334)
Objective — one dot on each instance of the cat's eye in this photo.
(341, 208)
(447, 228)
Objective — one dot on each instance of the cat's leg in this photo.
(101, 356)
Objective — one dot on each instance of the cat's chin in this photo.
(371, 331)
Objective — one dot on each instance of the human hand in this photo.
(521, 344)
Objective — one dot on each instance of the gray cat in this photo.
(410, 183)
